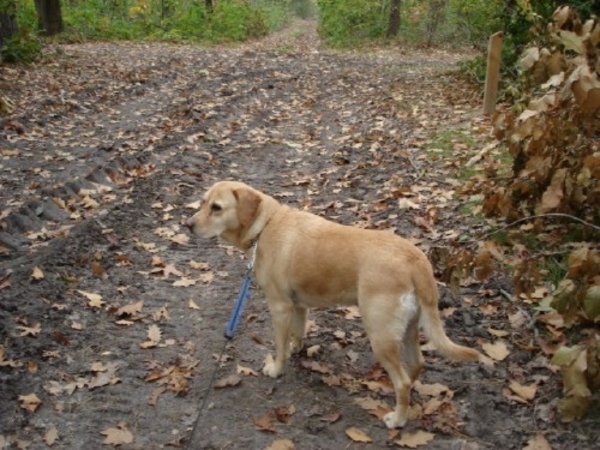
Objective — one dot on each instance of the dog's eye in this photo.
(215, 207)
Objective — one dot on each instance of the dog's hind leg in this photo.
(387, 322)
(412, 357)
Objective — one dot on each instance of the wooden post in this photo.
(492, 75)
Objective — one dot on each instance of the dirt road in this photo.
(112, 317)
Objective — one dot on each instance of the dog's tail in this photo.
(432, 324)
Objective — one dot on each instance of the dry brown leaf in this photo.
(154, 337)
(181, 239)
(30, 402)
(33, 330)
(184, 282)
(358, 435)
(199, 265)
(498, 350)
(246, 371)
(4, 362)
(265, 423)
(37, 274)
(498, 333)
(313, 350)
(94, 300)
(525, 392)
(228, 381)
(539, 442)
(207, 277)
(432, 390)
(193, 305)
(281, 444)
(414, 440)
(51, 436)
(316, 366)
(283, 413)
(130, 309)
(117, 436)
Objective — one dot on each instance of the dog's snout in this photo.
(189, 222)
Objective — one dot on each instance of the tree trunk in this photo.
(394, 22)
(49, 16)
(435, 16)
(8, 22)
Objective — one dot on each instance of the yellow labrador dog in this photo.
(303, 261)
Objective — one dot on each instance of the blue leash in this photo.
(238, 308)
(243, 296)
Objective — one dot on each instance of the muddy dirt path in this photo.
(112, 319)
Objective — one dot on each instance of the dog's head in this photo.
(227, 210)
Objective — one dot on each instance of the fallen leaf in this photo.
(51, 436)
(199, 265)
(130, 309)
(283, 413)
(246, 371)
(4, 362)
(207, 277)
(117, 436)
(414, 440)
(313, 350)
(184, 282)
(331, 417)
(155, 394)
(357, 435)
(181, 239)
(33, 330)
(316, 366)
(525, 392)
(30, 402)
(265, 423)
(281, 444)
(497, 350)
(37, 274)
(94, 300)
(539, 442)
(97, 269)
(193, 305)
(228, 381)
(154, 337)
(432, 390)
(498, 333)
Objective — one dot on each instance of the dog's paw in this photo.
(392, 420)
(271, 368)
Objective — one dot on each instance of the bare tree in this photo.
(394, 22)
(49, 16)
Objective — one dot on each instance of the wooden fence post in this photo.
(492, 75)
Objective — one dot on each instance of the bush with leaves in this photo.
(348, 22)
(553, 136)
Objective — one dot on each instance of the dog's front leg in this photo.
(281, 313)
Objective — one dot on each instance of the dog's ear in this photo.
(247, 205)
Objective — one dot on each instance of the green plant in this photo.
(350, 22)
(24, 46)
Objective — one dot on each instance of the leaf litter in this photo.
(347, 136)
